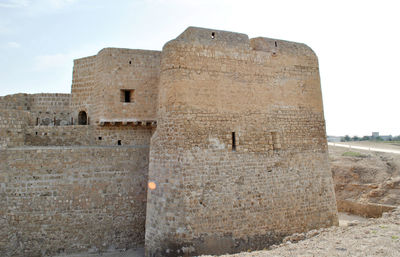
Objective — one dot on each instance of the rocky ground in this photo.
(373, 237)
(366, 177)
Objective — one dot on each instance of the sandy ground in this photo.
(373, 237)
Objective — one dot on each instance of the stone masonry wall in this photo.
(99, 83)
(45, 109)
(12, 126)
(72, 199)
(83, 81)
(239, 156)
(126, 69)
(87, 135)
(16, 102)
(51, 109)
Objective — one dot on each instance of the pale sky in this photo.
(357, 43)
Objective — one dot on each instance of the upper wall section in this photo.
(128, 85)
(116, 85)
(36, 102)
(45, 109)
(83, 81)
(211, 37)
(12, 126)
(217, 71)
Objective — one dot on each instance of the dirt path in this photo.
(384, 149)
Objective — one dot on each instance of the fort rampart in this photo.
(239, 154)
(230, 130)
(72, 199)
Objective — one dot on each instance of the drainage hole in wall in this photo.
(212, 35)
(119, 142)
(100, 138)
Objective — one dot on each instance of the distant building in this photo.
(334, 139)
(375, 135)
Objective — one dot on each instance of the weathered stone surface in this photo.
(230, 130)
(272, 180)
(98, 81)
(68, 199)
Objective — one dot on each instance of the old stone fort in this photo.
(229, 131)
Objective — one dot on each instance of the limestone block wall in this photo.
(239, 155)
(83, 82)
(122, 70)
(46, 109)
(16, 102)
(67, 199)
(100, 82)
(12, 126)
(51, 109)
(87, 135)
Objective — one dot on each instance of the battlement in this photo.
(212, 37)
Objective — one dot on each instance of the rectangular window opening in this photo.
(233, 141)
(127, 95)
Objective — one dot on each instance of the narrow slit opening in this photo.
(233, 141)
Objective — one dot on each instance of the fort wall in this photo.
(87, 135)
(72, 199)
(16, 102)
(13, 124)
(83, 82)
(45, 109)
(239, 155)
(120, 71)
(51, 109)
(116, 85)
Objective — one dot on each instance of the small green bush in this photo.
(354, 154)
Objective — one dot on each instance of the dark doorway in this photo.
(82, 118)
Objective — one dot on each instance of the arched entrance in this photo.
(82, 118)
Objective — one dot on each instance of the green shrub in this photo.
(354, 154)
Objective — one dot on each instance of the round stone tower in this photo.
(239, 157)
